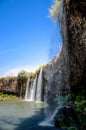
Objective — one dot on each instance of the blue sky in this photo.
(27, 35)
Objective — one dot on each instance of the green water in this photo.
(22, 115)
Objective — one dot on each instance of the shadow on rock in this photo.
(66, 117)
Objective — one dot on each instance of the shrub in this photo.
(81, 105)
(70, 97)
(80, 98)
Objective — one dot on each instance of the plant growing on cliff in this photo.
(41, 67)
(54, 8)
(33, 75)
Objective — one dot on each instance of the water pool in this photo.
(22, 115)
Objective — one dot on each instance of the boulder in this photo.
(66, 117)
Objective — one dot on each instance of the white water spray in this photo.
(27, 90)
(39, 87)
(34, 89)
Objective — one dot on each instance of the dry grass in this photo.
(54, 9)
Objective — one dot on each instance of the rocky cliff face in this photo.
(12, 85)
(8, 85)
(67, 71)
(76, 28)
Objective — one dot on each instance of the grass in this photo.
(6, 97)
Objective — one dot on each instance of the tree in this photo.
(21, 82)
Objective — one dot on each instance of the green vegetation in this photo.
(81, 106)
(33, 75)
(41, 67)
(24, 75)
(75, 97)
(6, 97)
(22, 82)
(79, 102)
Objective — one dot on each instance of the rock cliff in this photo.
(8, 85)
(67, 72)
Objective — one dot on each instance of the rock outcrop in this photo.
(67, 72)
(66, 117)
(8, 85)
(13, 85)
(76, 28)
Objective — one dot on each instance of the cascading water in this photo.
(34, 88)
(39, 87)
(27, 90)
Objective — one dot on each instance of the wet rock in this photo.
(66, 117)
(67, 71)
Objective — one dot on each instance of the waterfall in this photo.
(34, 88)
(27, 89)
(39, 87)
(32, 93)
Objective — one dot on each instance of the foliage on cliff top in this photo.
(54, 8)
(33, 75)
(41, 67)
(23, 75)
(22, 81)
